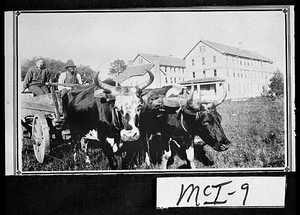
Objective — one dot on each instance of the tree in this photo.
(117, 67)
(277, 84)
(87, 74)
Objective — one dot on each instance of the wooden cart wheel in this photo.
(41, 137)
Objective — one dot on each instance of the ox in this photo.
(112, 110)
(178, 120)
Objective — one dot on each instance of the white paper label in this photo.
(220, 192)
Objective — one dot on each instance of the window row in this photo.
(204, 74)
(246, 62)
(232, 73)
(167, 69)
(171, 80)
(247, 74)
(214, 60)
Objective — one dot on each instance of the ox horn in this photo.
(148, 82)
(103, 85)
(189, 102)
(223, 97)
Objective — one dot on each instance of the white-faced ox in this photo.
(179, 119)
(112, 110)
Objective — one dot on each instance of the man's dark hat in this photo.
(70, 63)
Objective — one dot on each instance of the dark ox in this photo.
(179, 119)
(111, 110)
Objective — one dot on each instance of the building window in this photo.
(203, 48)
(203, 61)
(174, 80)
(228, 87)
(214, 59)
(215, 72)
(166, 80)
(241, 62)
(194, 74)
(233, 73)
(200, 47)
(141, 60)
(193, 62)
(204, 75)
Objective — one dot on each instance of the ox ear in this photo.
(99, 93)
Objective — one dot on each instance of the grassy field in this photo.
(255, 127)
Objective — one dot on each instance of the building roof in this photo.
(133, 71)
(230, 50)
(163, 60)
(203, 80)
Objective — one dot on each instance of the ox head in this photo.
(206, 121)
(201, 118)
(127, 104)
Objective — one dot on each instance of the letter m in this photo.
(183, 191)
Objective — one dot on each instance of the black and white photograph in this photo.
(122, 91)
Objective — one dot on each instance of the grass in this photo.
(255, 127)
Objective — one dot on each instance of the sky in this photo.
(98, 38)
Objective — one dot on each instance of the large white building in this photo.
(209, 65)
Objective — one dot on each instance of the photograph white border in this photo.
(13, 157)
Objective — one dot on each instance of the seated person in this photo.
(70, 77)
(36, 77)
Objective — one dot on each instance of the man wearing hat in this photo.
(36, 77)
(70, 76)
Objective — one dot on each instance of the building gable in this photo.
(133, 71)
(161, 60)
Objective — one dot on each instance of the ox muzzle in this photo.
(130, 135)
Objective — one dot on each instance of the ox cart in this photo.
(43, 117)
